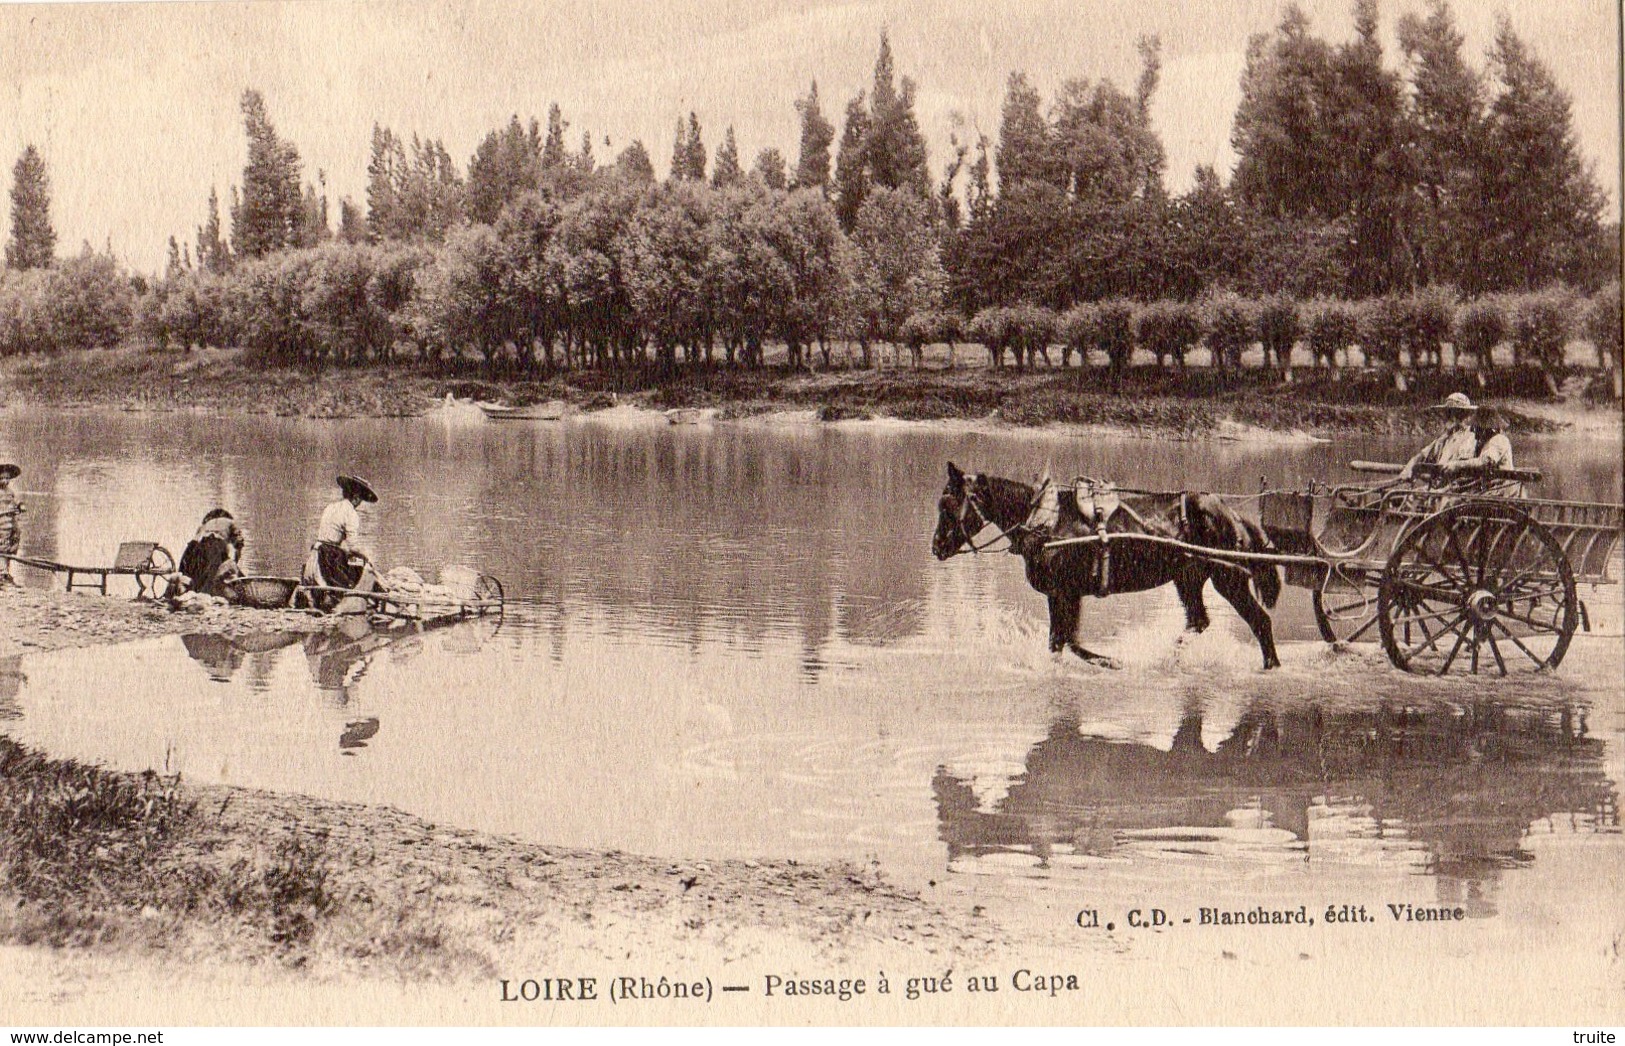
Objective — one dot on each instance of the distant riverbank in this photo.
(1181, 403)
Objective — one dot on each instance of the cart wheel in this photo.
(488, 591)
(153, 575)
(1477, 585)
(1346, 604)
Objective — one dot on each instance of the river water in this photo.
(732, 640)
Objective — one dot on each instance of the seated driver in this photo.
(1467, 455)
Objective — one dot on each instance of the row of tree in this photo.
(1391, 332)
(1354, 180)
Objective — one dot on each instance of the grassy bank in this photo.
(1145, 399)
(145, 864)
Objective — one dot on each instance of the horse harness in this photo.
(1096, 503)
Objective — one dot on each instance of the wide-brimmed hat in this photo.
(350, 486)
(1455, 401)
(10, 471)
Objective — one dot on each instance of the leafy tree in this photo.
(33, 242)
(1604, 326)
(312, 227)
(666, 259)
(584, 261)
(1542, 205)
(505, 165)
(25, 320)
(463, 296)
(726, 170)
(634, 163)
(352, 223)
(1333, 328)
(585, 163)
(817, 134)
(1024, 152)
(1279, 326)
(769, 169)
(1101, 145)
(270, 213)
(343, 320)
(1231, 325)
(1318, 135)
(799, 269)
(89, 302)
(1446, 118)
(811, 265)
(527, 227)
(1479, 327)
(1279, 134)
(899, 268)
(424, 195)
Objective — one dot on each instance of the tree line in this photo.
(1373, 202)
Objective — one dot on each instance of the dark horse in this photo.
(1067, 573)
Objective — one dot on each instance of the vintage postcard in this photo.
(785, 512)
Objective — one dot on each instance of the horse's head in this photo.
(959, 517)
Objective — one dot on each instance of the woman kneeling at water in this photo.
(336, 559)
(212, 556)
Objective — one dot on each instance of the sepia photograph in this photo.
(811, 512)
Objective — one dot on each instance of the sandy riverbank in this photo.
(1194, 403)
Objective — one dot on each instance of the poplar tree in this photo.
(270, 212)
(727, 170)
(554, 153)
(895, 152)
(769, 169)
(1447, 128)
(1023, 152)
(851, 169)
(817, 135)
(1543, 206)
(212, 253)
(33, 241)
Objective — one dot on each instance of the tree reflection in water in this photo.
(1457, 786)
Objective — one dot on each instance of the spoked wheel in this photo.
(153, 576)
(1479, 586)
(1346, 604)
(488, 591)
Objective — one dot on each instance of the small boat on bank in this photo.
(553, 411)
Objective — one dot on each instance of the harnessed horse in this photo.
(1108, 559)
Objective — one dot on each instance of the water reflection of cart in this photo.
(1458, 786)
(1446, 579)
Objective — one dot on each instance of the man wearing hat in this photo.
(1465, 449)
(336, 559)
(10, 508)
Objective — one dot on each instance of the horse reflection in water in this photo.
(1462, 786)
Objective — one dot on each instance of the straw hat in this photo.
(10, 471)
(350, 486)
(1455, 401)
